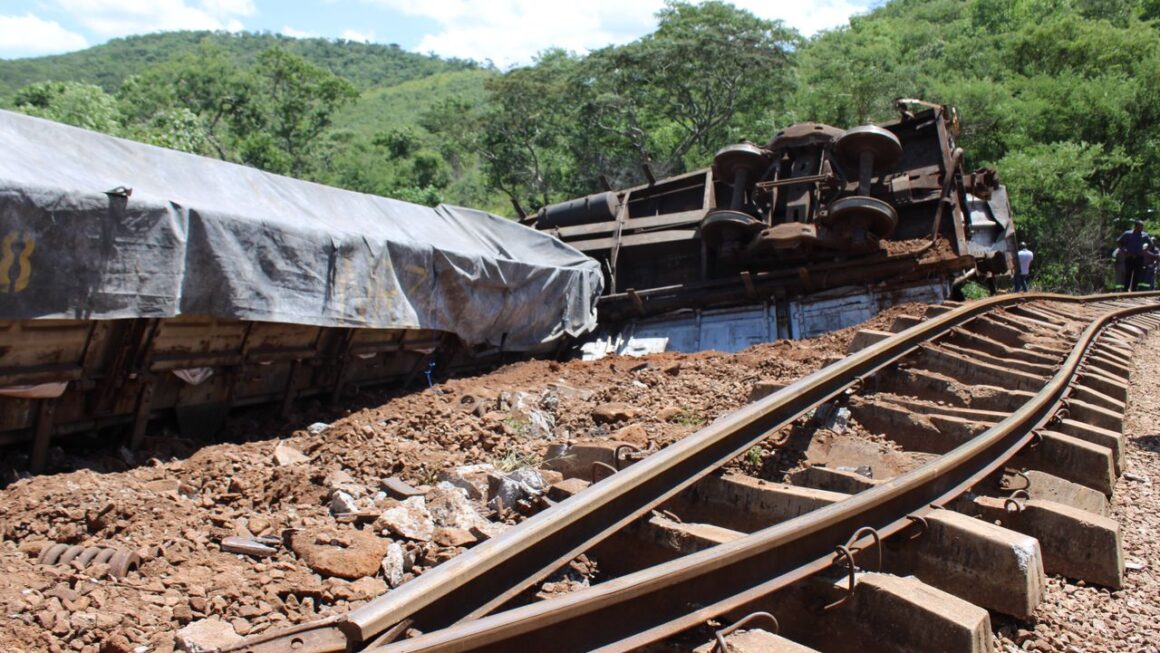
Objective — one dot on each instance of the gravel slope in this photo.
(1074, 618)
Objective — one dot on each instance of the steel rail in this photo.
(687, 591)
(476, 583)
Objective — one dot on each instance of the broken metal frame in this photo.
(690, 590)
(651, 221)
(750, 286)
(117, 371)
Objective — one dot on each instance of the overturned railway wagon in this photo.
(815, 230)
(137, 281)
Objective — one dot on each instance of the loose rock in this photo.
(614, 412)
(341, 503)
(285, 455)
(206, 635)
(352, 555)
(450, 508)
(472, 478)
(394, 564)
(409, 519)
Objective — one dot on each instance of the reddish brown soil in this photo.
(176, 511)
(941, 250)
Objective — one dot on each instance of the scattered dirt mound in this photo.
(325, 533)
(176, 514)
(941, 250)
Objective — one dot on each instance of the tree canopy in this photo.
(1061, 96)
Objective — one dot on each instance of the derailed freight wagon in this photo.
(137, 281)
(818, 229)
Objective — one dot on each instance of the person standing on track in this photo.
(1023, 269)
(1134, 242)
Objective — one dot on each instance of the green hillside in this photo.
(339, 112)
(1062, 97)
(364, 64)
(383, 108)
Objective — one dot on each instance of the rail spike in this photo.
(847, 551)
(723, 647)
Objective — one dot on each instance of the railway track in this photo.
(1004, 410)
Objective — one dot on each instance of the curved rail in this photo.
(719, 579)
(731, 575)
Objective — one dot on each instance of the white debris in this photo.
(471, 478)
(342, 502)
(450, 508)
(527, 408)
(394, 565)
(206, 635)
(521, 484)
(285, 455)
(409, 519)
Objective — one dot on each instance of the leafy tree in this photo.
(1150, 10)
(850, 77)
(425, 195)
(524, 135)
(707, 75)
(457, 125)
(299, 101)
(1056, 190)
(205, 82)
(673, 97)
(271, 115)
(176, 129)
(429, 170)
(399, 143)
(73, 103)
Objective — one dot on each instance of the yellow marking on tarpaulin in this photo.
(24, 262)
(420, 273)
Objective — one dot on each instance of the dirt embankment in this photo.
(176, 511)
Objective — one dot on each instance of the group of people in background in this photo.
(1137, 260)
(1137, 257)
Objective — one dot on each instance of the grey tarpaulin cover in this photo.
(207, 237)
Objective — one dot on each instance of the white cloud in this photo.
(110, 18)
(229, 7)
(298, 33)
(808, 18)
(360, 37)
(511, 32)
(30, 35)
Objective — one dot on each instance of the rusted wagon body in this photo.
(137, 281)
(68, 376)
(802, 228)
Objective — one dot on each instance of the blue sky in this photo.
(507, 32)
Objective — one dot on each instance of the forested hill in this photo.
(1062, 97)
(334, 111)
(109, 64)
